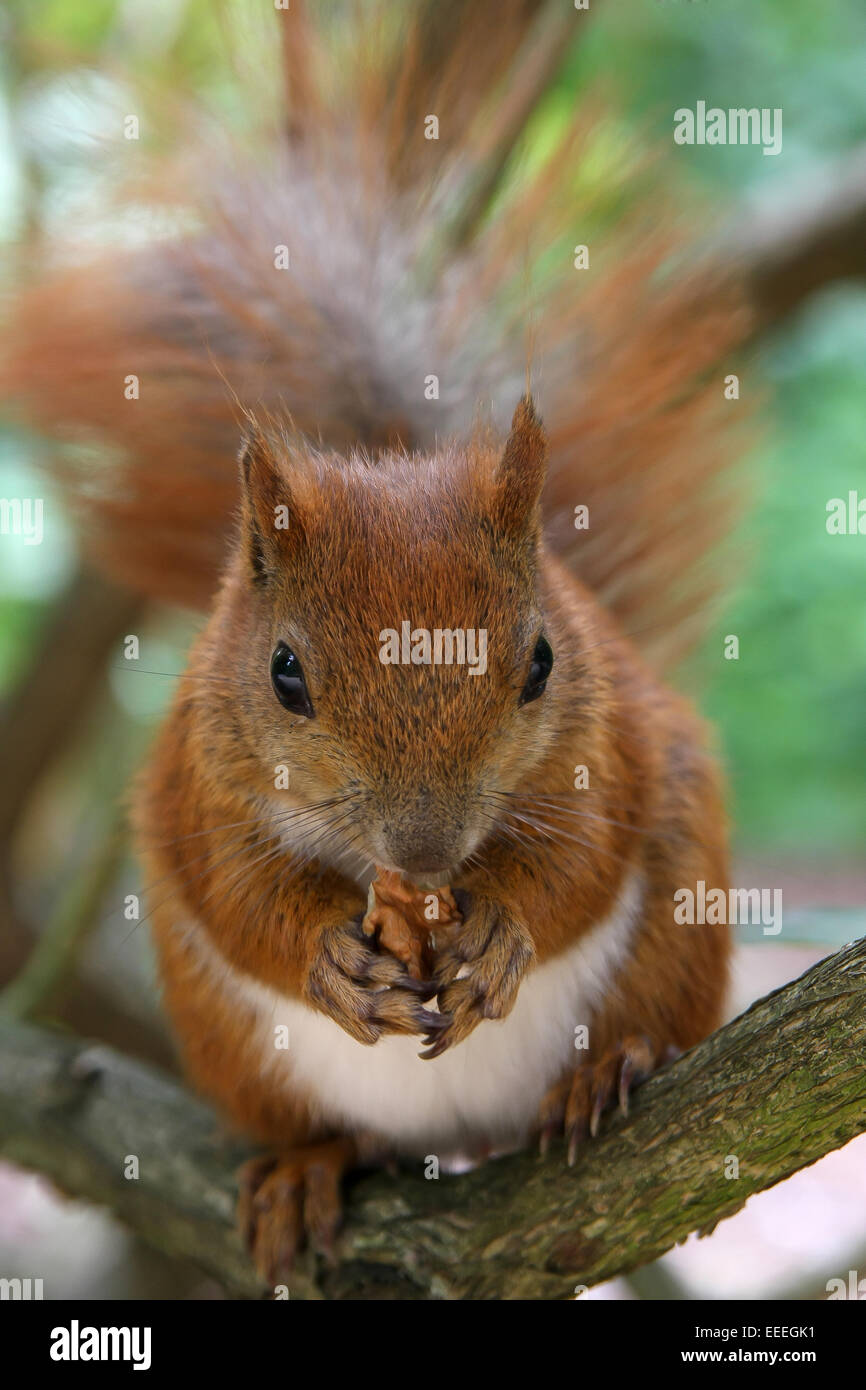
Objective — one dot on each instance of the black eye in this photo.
(287, 678)
(539, 669)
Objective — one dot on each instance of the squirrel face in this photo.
(386, 616)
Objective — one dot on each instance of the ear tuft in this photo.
(271, 520)
(520, 476)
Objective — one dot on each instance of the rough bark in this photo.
(776, 1089)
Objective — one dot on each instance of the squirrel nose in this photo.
(420, 854)
(423, 835)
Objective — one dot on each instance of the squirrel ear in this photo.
(520, 475)
(271, 518)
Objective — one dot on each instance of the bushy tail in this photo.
(382, 263)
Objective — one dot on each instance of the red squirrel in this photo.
(556, 786)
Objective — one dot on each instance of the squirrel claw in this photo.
(576, 1135)
(627, 1076)
(544, 1138)
(437, 1039)
(434, 1023)
(639, 1061)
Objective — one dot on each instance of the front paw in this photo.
(478, 971)
(366, 991)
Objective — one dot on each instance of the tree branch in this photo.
(799, 244)
(779, 1087)
(82, 629)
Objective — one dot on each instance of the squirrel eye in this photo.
(287, 678)
(539, 669)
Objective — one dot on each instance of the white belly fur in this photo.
(484, 1092)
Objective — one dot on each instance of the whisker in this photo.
(502, 827)
(277, 826)
(555, 832)
(555, 804)
(253, 820)
(279, 823)
(302, 862)
(234, 681)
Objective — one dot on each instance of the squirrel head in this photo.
(385, 614)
